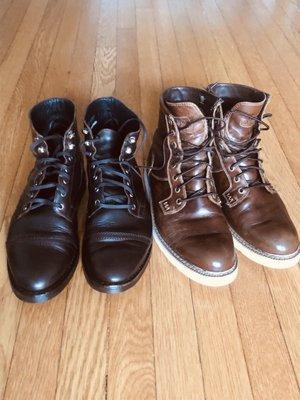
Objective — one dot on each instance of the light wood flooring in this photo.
(167, 338)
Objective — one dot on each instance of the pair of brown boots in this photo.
(209, 192)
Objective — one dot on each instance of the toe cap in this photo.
(273, 238)
(114, 263)
(35, 268)
(213, 252)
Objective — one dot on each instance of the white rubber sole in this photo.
(267, 260)
(195, 273)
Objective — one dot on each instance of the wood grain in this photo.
(167, 338)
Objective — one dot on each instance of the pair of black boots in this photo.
(42, 243)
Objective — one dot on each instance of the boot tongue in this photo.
(192, 132)
(187, 117)
(240, 127)
(109, 144)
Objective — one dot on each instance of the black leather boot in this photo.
(118, 235)
(42, 243)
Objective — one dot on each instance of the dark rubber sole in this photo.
(121, 287)
(42, 296)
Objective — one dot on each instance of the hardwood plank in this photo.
(283, 48)
(214, 66)
(178, 370)
(171, 68)
(131, 361)
(82, 369)
(285, 366)
(223, 364)
(24, 96)
(285, 288)
(262, 337)
(126, 14)
(192, 65)
(34, 366)
(10, 24)
(12, 66)
(283, 123)
(10, 307)
(45, 333)
(285, 22)
(104, 69)
(224, 372)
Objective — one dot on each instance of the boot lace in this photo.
(190, 155)
(56, 175)
(249, 150)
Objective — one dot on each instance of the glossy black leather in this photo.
(117, 241)
(42, 243)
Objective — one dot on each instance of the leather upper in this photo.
(186, 207)
(118, 234)
(42, 242)
(252, 206)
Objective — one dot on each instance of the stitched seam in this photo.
(122, 236)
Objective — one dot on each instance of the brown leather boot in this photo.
(118, 236)
(42, 243)
(189, 225)
(260, 224)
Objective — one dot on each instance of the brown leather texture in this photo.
(252, 207)
(42, 243)
(118, 235)
(186, 208)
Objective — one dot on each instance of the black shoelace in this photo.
(112, 173)
(248, 150)
(55, 171)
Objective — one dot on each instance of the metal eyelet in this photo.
(179, 201)
(177, 189)
(41, 150)
(241, 190)
(25, 207)
(95, 177)
(127, 183)
(63, 194)
(96, 189)
(60, 206)
(174, 145)
(175, 177)
(133, 207)
(71, 135)
(131, 195)
(231, 168)
(132, 139)
(71, 146)
(97, 202)
(128, 150)
(87, 143)
(64, 181)
(236, 179)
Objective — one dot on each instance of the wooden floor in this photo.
(167, 338)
